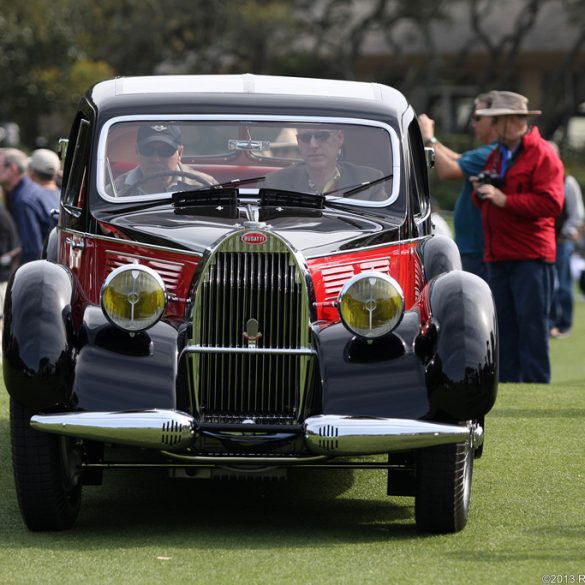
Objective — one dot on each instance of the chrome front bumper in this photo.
(330, 435)
(346, 435)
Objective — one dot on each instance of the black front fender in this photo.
(443, 368)
(462, 371)
(439, 255)
(385, 378)
(116, 371)
(37, 339)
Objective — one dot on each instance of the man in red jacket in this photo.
(520, 192)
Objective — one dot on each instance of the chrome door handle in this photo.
(75, 245)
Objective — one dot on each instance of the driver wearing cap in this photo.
(159, 150)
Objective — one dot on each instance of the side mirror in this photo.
(62, 147)
(430, 156)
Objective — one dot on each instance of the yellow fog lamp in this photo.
(371, 304)
(133, 297)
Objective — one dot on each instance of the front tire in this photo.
(46, 474)
(443, 491)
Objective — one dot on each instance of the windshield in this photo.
(152, 158)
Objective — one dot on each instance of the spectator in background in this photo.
(451, 165)
(519, 205)
(44, 168)
(568, 230)
(285, 145)
(29, 204)
(9, 251)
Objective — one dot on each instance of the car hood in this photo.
(310, 232)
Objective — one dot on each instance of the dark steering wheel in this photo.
(184, 174)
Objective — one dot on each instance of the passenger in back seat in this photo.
(159, 150)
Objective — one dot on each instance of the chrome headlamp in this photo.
(371, 304)
(133, 297)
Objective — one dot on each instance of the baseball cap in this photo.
(45, 161)
(159, 132)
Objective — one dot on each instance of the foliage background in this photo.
(50, 52)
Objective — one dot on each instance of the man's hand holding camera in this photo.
(487, 188)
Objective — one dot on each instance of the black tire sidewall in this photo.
(49, 496)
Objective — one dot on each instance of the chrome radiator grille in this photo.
(251, 325)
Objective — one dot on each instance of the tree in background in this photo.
(42, 66)
(50, 52)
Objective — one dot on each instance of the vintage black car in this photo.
(243, 280)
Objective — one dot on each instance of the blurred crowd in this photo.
(30, 188)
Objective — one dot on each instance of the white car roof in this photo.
(253, 84)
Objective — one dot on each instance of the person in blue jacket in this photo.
(454, 166)
(28, 202)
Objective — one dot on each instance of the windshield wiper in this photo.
(227, 196)
(282, 198)
(220, 194)
(358, 188)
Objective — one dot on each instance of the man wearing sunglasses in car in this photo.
(159, 150)
(322, 170)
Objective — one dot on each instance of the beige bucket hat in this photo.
(507, 103)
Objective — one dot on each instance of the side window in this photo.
(76, 163)
(419, 188)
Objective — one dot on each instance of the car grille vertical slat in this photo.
(237, 286)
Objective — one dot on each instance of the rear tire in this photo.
(47, 474)
(443, 491)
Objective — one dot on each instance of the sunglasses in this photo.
(163, 150)
(320, 136)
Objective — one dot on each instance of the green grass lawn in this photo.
(527, 517)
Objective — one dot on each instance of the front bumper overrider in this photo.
(172, 431)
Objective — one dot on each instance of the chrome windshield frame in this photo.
(101, 152)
